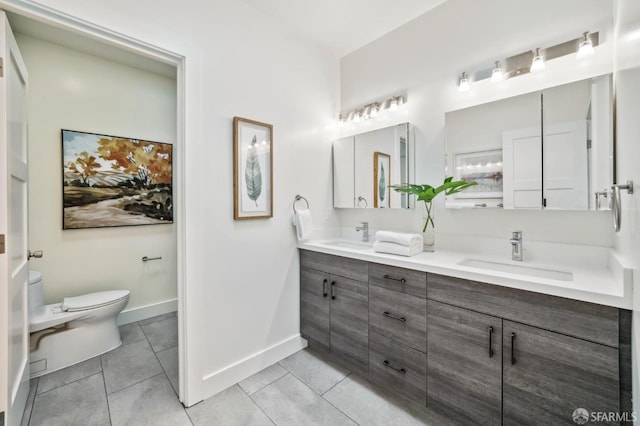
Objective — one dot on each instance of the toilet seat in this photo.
(93, 300)
(74, 308)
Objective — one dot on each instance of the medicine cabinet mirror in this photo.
(364, 165)
(551, 149)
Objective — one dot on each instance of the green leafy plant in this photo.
(427, 193)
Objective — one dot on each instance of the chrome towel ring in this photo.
(299, 198)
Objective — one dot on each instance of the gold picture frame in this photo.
(252, 169)
(381, 179)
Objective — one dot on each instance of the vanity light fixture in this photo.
(537, 64)
(497, 75)
(371, 110)
(464, 84)
(585, 48)
(523, 63)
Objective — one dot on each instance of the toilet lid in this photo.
(93, 300)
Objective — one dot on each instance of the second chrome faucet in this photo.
(516, 245)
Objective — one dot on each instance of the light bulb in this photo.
(464, 83)
(497, 75)
(586, 47)
(537, 64)
(356, 117)
(393, 105)
(374, 111)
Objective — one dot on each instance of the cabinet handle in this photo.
(389, 315)
(324, 287)
(398, 369)
(513, 354)
(490, 341)
(388, 277)
(333, 289)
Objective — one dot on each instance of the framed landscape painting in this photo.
(115, 181)
(252, 169)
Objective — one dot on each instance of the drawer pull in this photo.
(490, 341)
(398, 369)
(513, 354)
(324, 288)
(388, 277)
(333, 289)
(389, 315)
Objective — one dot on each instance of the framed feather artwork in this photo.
(381, 177)
(252, 169)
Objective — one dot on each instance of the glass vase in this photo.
(428, 230)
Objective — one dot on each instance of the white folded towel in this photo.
(399, 238)
(393, 248)
(303, 223)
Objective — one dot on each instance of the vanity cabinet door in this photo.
(350, 322)
(464, 364)
(548, 375)
(315, 307)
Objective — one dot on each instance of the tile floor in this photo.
(136, 384)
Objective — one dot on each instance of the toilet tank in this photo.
(36, 298)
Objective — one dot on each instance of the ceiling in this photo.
(342, 26)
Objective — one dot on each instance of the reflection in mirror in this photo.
(550, 149)
(364, 166)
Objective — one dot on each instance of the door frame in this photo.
(86, 29)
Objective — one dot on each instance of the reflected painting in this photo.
(115, 181)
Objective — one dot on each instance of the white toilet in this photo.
(79, 328)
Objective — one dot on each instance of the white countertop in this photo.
(605, 283)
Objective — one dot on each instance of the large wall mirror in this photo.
(551, 149)
(364, 165)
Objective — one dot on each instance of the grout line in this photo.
(70, 383)
(258, 405)
(136, 383)
(274, 380)
(106, 395)
(335, 384)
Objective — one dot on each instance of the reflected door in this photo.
(522, 163)
(14, 273)
(565, 166)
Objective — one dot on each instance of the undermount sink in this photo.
(353, 245)
(532, 271)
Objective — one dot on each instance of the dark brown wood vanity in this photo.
(471, 352)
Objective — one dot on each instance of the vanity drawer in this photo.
(336, 265)
(398, 368)
(398, 279)
(399, 316)
(589, 321)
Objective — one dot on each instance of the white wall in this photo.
(242, 298)
(69, 89)
(627, 83)
(422, 60)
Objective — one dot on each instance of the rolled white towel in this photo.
(399, 238)
(399, 249)
(304, 224)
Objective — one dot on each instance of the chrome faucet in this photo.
(365, 231)
(516, 245)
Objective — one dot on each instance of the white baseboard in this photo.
(149, 311)
(234, 373)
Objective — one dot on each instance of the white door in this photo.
(14, 273)
(565, 166)
(522, 168)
